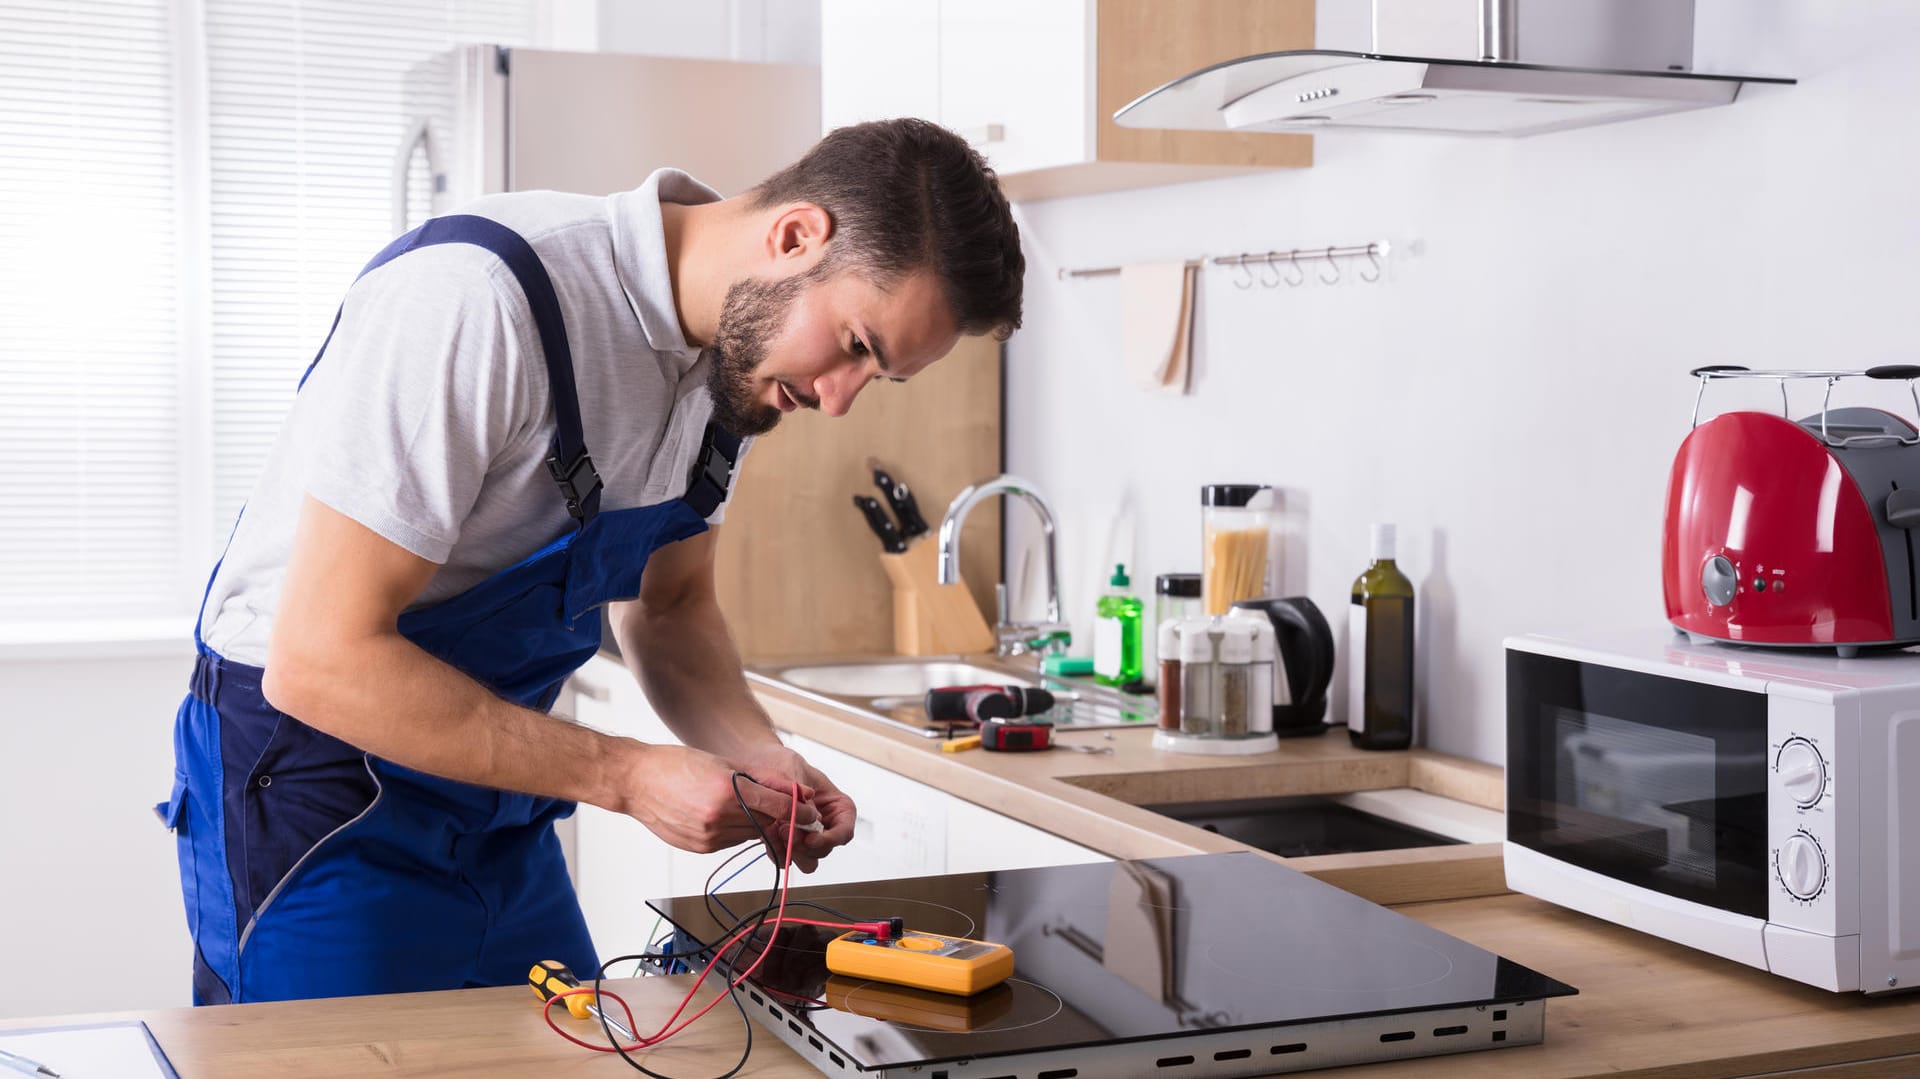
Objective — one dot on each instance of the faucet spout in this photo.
(963, 503)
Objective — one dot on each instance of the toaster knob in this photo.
(1903, 508)
(1803, 772)
(1719, 581)
(1802, 866)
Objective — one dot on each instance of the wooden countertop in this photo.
(1094, 799)
(1647, 1009)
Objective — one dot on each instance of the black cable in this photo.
(720, 963)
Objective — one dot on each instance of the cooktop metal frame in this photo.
(1246, 1051)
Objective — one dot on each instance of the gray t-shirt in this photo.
(429, 419)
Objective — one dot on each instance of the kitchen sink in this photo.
(1298, 826)
(896, 679)
(891, 688)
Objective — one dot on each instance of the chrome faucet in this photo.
(1013, 638)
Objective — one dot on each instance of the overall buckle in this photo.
(577, 479)
(712, 474)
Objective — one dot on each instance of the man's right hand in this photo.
(686, 797)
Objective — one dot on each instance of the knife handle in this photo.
(882, 525)
(911, 523)
(901, 499)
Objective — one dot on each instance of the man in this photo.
(523, 412)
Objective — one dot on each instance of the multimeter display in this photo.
(922, 960)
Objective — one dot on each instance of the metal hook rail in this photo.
(1374, 252)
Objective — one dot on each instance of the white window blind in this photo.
(90, 408)
(305, 111)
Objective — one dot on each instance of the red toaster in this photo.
(1796, 533)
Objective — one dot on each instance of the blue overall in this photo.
(310, 868)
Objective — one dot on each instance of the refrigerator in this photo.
(483, 119)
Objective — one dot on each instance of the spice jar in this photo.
(1238, 548)
(1199, 676)
(1168, 641)
(1175, 595)
(1236, 677)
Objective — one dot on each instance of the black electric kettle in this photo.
(1305, 667)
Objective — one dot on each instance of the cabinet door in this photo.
(618, 864)
(900, 829)
(878, 59)
(1016, 79)
(979, 840)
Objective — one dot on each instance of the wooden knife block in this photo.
(930, 618)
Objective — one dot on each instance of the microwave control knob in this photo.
(1802, 771)
(1802, 866)
(1719, 580)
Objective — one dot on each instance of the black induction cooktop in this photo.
(1214, 964)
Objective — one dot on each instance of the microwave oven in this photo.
(1762, 805)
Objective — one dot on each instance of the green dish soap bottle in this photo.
(1116, 633)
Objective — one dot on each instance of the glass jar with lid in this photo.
(1239, 544)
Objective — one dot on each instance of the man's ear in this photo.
(800, 231)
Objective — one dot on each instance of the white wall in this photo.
(1513, 392)
(774, 31)
(89, 889)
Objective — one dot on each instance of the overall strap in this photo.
(712, 470)
(569, 463)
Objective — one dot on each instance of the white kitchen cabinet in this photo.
(878, 59)
(1033, 84)
(617, 863)
(1014, 80)
(979, 840)
(900, 827)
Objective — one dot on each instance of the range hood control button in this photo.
(1803, 772)
(1719, 581)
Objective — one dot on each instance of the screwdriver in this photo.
(550, 978)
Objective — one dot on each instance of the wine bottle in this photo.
(1380, 651)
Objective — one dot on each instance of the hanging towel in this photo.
(1156, 324)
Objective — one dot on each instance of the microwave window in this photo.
(1651, 780)
(1645, 791)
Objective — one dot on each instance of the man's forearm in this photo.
(385, 695)
(686, 661)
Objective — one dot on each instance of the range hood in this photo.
(1549, 65)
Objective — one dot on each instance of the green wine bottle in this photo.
(1380, 652)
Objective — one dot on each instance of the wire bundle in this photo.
(740, 931)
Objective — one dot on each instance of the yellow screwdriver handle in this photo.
(550, 978)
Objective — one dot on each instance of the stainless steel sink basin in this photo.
(891, 689)
(896, 679)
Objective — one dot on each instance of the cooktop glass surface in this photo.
(1114, 952)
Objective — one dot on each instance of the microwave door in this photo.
(1653, 781)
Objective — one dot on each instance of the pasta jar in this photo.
(1239, 545)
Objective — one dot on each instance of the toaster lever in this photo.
(1903, 509)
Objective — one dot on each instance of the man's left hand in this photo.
(778, 767)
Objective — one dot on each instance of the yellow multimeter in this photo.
(923, 960)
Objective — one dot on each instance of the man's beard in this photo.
(752, 312)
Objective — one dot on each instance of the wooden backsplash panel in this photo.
(798, 570)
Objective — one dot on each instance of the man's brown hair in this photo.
(906, 194)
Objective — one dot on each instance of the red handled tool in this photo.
(1016, 735)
